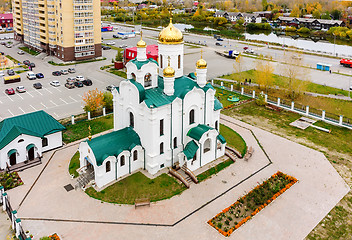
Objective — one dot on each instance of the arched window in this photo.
(207, 145)
(175, 142)
(122, 161)
(133, 76)
(147, 80)
(161, 61)
(191, 116)
(216, 125)
(108, 166)
(135, 155)
(21, 140)
(131, 120)
(161, 148)
(179, 61)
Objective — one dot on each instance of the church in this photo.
(162, 117)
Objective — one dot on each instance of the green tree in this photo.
(107, 100)
(316, 14)
(325, 15)
(336, 14)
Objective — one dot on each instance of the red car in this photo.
(10, 91)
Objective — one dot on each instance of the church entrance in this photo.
(31, 153)
(13, 159)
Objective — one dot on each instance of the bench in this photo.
(142, 202)
(249, 154)
(273, 107)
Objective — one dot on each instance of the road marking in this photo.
(63, 100)
(9, 97)
(56, 88)
(38, 92)
(79, 95)
(48, 90)
(33, 108)
(20, 96)
(53, 102)
(21, 109)
(30, 94)
(73, 99)
(10, 112)
(0, 101)
(43, 105)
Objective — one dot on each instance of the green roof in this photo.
(36, 124)
(139, 64)
(197, 132)
(192, 75)
(190, 149)
(11, 152)
(140, 88)
(221, 139)
(217, 104)
(112, 144)
(30, 146)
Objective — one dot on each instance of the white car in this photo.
(2, 73)
(351, 87)
(110, 43)
(249, 51)
(20, 89)
(80, 78)
(55, 83)
(64, 72)
(20, 52)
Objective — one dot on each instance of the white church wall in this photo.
(174, 51)
(54, 141)
(20, 146)
(102, 177)
(210, 155)
(193, 100)
(125, 169)
(139, 162)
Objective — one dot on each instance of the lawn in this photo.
(214, 170)
(29, 50)
(223, 95)
(118, 72)
(74, 165)
(80, 129)
(138, 186)
(233, 139)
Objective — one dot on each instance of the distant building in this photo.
(131, 53)
(69, 30)
(311, 23)
(235, 16)
(6, 20)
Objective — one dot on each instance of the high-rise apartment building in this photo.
(67, 29)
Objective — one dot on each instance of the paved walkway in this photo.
(48, 208)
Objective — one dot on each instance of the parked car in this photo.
(71, 70)
(115, 36)
(296, 57)
(3, 43)
(78, 84)
(20, 89)
(87, 82)
(64, 72)
(57, 73)
(123, 46)
(219, 39)
(248, 50)
(70, 85)
(32, 65)
(10, 72)
(20, 52)
(218, 44)
(245, 48)
(26, 62)
(110, 87)
(37, 85)
(55, 83)
(31, 75)
(10, 91)
(8, 45)
(39, 75)
(71, 79)
(110, 43)
(80, 78)
(2, 73)
(105, 47)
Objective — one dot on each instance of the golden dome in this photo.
(201, 63)
(170, 35)
(141, 43)
(169, 72)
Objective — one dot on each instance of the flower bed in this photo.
(231, 218)
(10, 180)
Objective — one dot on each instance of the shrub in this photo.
(290, 29)
(303, 30)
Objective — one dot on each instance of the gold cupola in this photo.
(141, 43)
(170, 35)
(201, 63)
(169, 71)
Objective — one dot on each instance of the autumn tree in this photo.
(93, 100)
(238, 68)
(264, 74)
(296, 76)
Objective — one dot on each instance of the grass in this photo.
(15, 61)
(74, 165)
(138, 186)
(233, 139)
(29, 50)
(223, 94)
(21, 71)
(113, 47)
(78, 62)
(214, 170)
(118, 72)
(80, 129)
